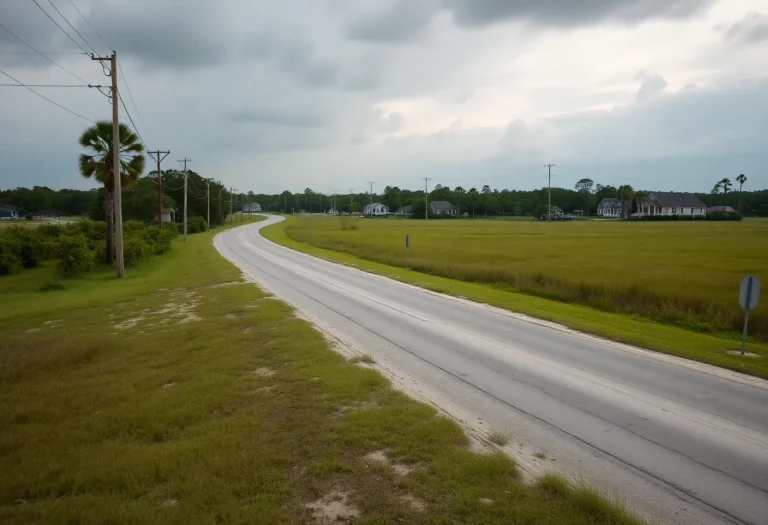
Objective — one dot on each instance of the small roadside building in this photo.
(253, 207)
(405, 211)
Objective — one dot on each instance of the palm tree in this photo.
(741, 179)
(626, 192)
(715, 189)
(459, 192)
(726, 184)
(99, 165)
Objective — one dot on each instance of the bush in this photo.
(28, 245)
(49, 230)
(29, 216)
(196, 224)
(135, 248)
(75, 256)
(723, 216)
(10, 259)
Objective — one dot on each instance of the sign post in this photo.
(748, 296)
(406, 250)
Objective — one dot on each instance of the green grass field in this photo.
(184, 395)
(684, 273)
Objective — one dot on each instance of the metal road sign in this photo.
(750, 292)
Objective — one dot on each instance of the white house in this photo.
(375, 209)
(252, 207)
(672, 203)
(609, 207)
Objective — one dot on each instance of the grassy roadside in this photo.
(706, 348)
(181, 395)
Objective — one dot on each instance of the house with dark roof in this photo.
(672, 203)
(9, 211)
(609, 207)
(442, 208)
(721, 209)
(404, 211)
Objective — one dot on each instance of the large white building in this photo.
(375, 209)
(672, 203)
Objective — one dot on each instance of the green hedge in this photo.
(196, 224)
(80, 246)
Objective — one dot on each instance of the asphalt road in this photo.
(680, 442)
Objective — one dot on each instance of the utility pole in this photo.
(549, 192)
(156, 156)
(231, 203)
(185, 196)
(219, 204)
(426, 197)
(370, 212)
(208, 226)
(116, 163)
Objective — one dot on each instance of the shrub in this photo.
(75, 256)
(135, 248)
(29, 216)
(49, 230)
(10, 259)
(50, 286)
(723, 216)
(28, 245)
(133, 226)
(196, 224)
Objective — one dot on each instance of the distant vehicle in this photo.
(638, 215)
(567, 217)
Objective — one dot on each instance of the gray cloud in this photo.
(277, 117)
(403, 20)
(751, 30)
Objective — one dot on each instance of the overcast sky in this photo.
(266, 96)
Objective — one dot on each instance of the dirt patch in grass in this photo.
(333, 508)
(380, 457)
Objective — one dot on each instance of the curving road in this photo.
(681, 442)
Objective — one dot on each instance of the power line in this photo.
(17, 37)
(23, 52)
(89, 24)
(73, 27)
(46, 98)
(46, 85)
(135, 128)
(130, 95)
(62, 29)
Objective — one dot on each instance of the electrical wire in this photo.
(89, 23)
(130, 95)
(189, 189)
(62, 29)
(135, 128)
(46, 98)
(47, 85)
(17, 37)
(73, 27)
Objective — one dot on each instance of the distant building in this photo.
(721, 209)
(333, 211)
(404, 211)
(442, 208)
(253, 207)
(609, 207)
(672, 203)
(376, 209)
(9, 211)
(169, 215)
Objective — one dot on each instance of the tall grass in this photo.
(682, 274)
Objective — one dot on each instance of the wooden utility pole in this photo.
(208, 226)
(185, 196)
(156, 156)
(116, 163)
(219, 205)
(549, 192)
(426, 197)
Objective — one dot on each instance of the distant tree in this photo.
(459, 191)
(625, 192)
(716, 189)
(741, 179)
(486, 190)
(585, 185)
(99, 164)
(640, 196)
(472, 194)
(726, 184)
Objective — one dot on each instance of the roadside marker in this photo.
(748, 297)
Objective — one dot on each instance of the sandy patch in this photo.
(334, 507)
(264, 372)
(248, 330)
(129, 323)
(170, 503)
(414, 503)
(738, 352)
(380, 457)
(179, 310)
(32, 330)
(233, 316)
(223, 285)
(53, 322)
